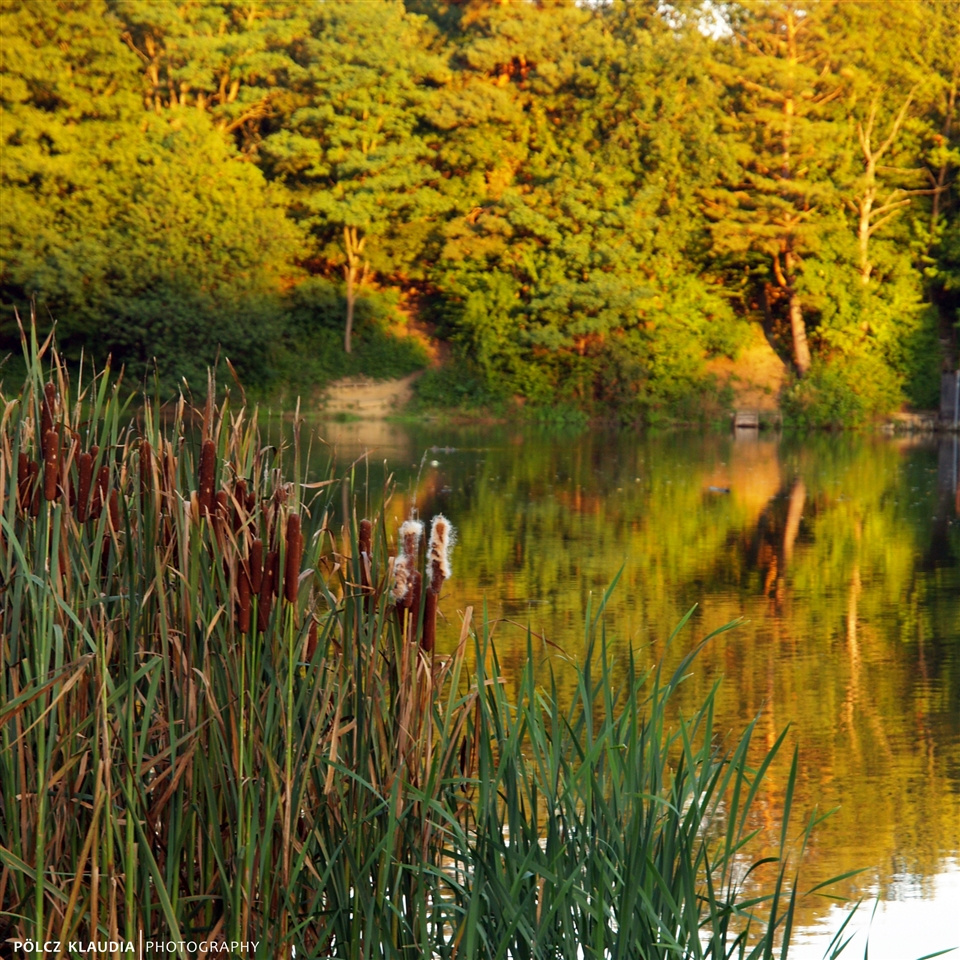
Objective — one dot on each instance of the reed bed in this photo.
(224, 720)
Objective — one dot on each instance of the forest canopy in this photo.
(584, 201)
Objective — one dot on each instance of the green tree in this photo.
(585, 127)
(352, 151)
(782, 88)
(237, 61)
(143, 235)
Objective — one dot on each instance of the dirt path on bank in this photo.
(757, 375)
(369, 399)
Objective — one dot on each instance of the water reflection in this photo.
(842, 554)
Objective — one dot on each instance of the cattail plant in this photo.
(256, 566)
(51, 465)
(364, 541)
(267, 591)
(406, 577)
(244, 590)
(442, 537)
(85, 477)
(294, 553)
(205, 491)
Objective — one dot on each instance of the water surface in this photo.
(841, 554)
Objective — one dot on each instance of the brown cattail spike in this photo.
(256, 565)
(266, 591)
(208, 464)
(85, 475)
(51, 464)
(442, 538)
(311, 641)
(291, 573)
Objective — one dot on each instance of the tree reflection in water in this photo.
(842, 553)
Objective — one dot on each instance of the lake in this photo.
(841, 554)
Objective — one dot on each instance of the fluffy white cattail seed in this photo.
(404, 567)
(442, 538)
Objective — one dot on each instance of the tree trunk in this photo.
(350, 274)
(353, 245)
(786, 278)
(863, 234)
(801, 349)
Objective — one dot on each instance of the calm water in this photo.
(841, 553)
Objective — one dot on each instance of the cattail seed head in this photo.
(442, 539)
(405, 566)
(294, 554)
(85, 476)
(311, 641)
(266, 591)
(208, 463)
(411, 532)
(51, 464)
(47, 408)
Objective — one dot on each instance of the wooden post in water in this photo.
(950, 400)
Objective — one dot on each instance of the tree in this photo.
(235, 60)
(352, 151)
(144, 235)
(781, 86)
(580, 133)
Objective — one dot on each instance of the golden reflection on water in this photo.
(841, 554)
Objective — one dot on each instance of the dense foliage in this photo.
(586, 201)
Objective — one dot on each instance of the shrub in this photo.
(842, 392)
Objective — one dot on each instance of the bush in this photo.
(454, 386)
(842, 393)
